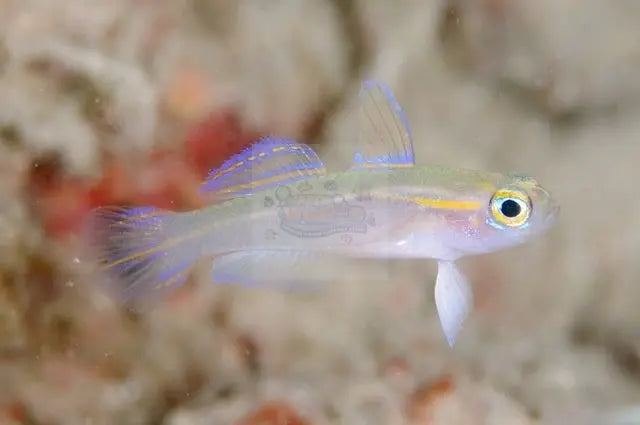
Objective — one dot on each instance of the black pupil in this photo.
(510, 208)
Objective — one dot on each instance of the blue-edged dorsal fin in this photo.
(269, 162)
(384, 139)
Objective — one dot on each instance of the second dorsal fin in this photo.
(269, 162)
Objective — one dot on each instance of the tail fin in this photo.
(138, 252)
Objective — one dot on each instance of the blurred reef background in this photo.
(133, 101)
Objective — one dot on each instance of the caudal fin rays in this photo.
(138, 254)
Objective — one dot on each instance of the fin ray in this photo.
(270, 161)
(385, 139)
(139, 260)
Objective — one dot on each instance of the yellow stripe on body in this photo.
(435, 203)
(445, 204)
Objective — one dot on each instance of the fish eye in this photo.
(510, 208)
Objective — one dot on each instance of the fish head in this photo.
(513, 210)
(498, 212)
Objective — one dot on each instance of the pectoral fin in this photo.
(454, 299)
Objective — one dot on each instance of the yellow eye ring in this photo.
(510, 208)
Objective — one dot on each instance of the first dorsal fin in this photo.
(269, 162)
(384, 139)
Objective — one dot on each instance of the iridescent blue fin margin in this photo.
(385, 139)
(269, 162)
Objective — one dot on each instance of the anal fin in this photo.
(287, 270)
